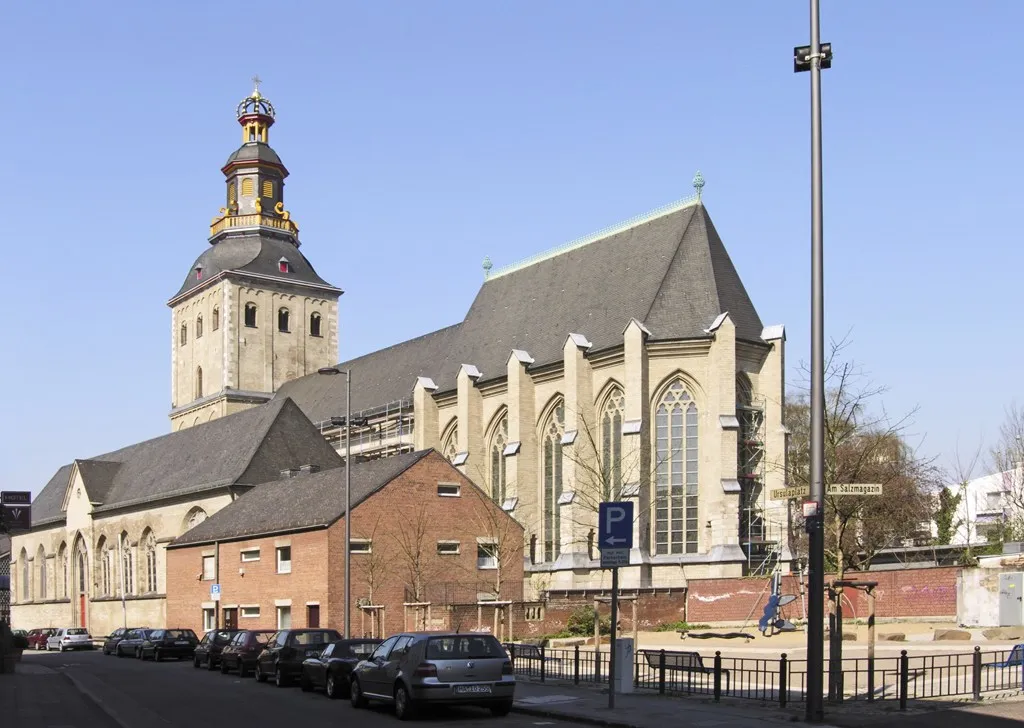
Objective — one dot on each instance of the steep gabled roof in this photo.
(669, 270)
(247, 448)
(300, 502)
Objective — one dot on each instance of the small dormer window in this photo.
(284, 266)
(199, 272)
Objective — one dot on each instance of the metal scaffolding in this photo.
(758, 536)
(387, 431)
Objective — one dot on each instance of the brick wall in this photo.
(908, 593)
(406, 512)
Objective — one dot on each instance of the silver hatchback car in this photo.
(436, 668)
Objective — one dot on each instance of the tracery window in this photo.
(611, 444)
(551, 453)
(450, 443)
(496, 476)
(675, 495)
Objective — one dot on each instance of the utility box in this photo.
(1011, 599)
(623, 666)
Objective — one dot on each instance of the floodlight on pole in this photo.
(813, 58)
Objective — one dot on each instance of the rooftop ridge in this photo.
(599, 235)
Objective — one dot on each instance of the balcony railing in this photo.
(228, 222)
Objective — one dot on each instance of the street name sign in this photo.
(802, 491)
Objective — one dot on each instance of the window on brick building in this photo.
(449, 490)
(487, 555)
(534, 613)
(360, 546)
(251, 612)
(448, 548)
(209, 568)
(209, 619)
(284, 617)
(250, 555)
(284, 559)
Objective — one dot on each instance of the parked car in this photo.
(243, 649)
(208, 650)
(69, 638)
(114, 639)
(282, 657)
(434, 668)
(161, 643)
(37, 638)
(331, 670)
(131, 642)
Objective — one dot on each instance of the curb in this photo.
(570, 718)
(94, 699)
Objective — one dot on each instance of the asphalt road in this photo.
(176, 695)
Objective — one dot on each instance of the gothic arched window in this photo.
(62, 571)
(282, 320)
(127, 564)
(149, 543)
(496, 476)
(675, 494)
(26, 577)
(551, 452)
(450, 442)
(194, 517)
(183, 335)
(216, 318)
(83, 570)
(41, 558)
(314, 324)
(611, 444)
(106, 556)
(199, 382)
(199, 326)
(250, 315)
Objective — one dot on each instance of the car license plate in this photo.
(472, 689)
(181, 642)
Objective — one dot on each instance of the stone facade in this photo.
(610, 401)
(75, 575)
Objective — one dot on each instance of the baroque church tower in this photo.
(252, 312)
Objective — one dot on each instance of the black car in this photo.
(176, 643)
(285, 652)
(209, 648)
(243, 649)
(115, 638)
(331, 670)
(131, 642)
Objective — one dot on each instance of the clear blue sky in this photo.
(423, 136)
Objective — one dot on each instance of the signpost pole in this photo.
(613, 671)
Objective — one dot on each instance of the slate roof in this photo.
(253, 253)
(303, 501)
(670, 271)
(246, 448)
(255, 151)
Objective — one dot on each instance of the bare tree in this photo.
(374, 565)
(1008, 460)
(862, 445)
(414, 549)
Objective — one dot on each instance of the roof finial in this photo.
(487, 267)
(256, 81)
(698, 183)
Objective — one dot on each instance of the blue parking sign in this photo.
(615, 525)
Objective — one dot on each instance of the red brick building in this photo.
(424, 537)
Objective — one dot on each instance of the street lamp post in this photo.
(348, 492)
(813, 58)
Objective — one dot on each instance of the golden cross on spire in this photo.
(256, 86)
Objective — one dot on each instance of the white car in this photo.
(69, 638)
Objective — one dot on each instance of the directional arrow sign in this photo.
(615, 525)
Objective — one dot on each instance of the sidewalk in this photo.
(37, 697)
(640, 710)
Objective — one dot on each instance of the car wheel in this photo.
(331, 688)
(195, 662)
(499, 710)
(355, 695)
(404, 707)
(279, 678)
(210, 664)
(139, 654)
(258, 674)
(156, 655)
(60, 647)
(223, 666)
(305, 684)
(242, 672)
